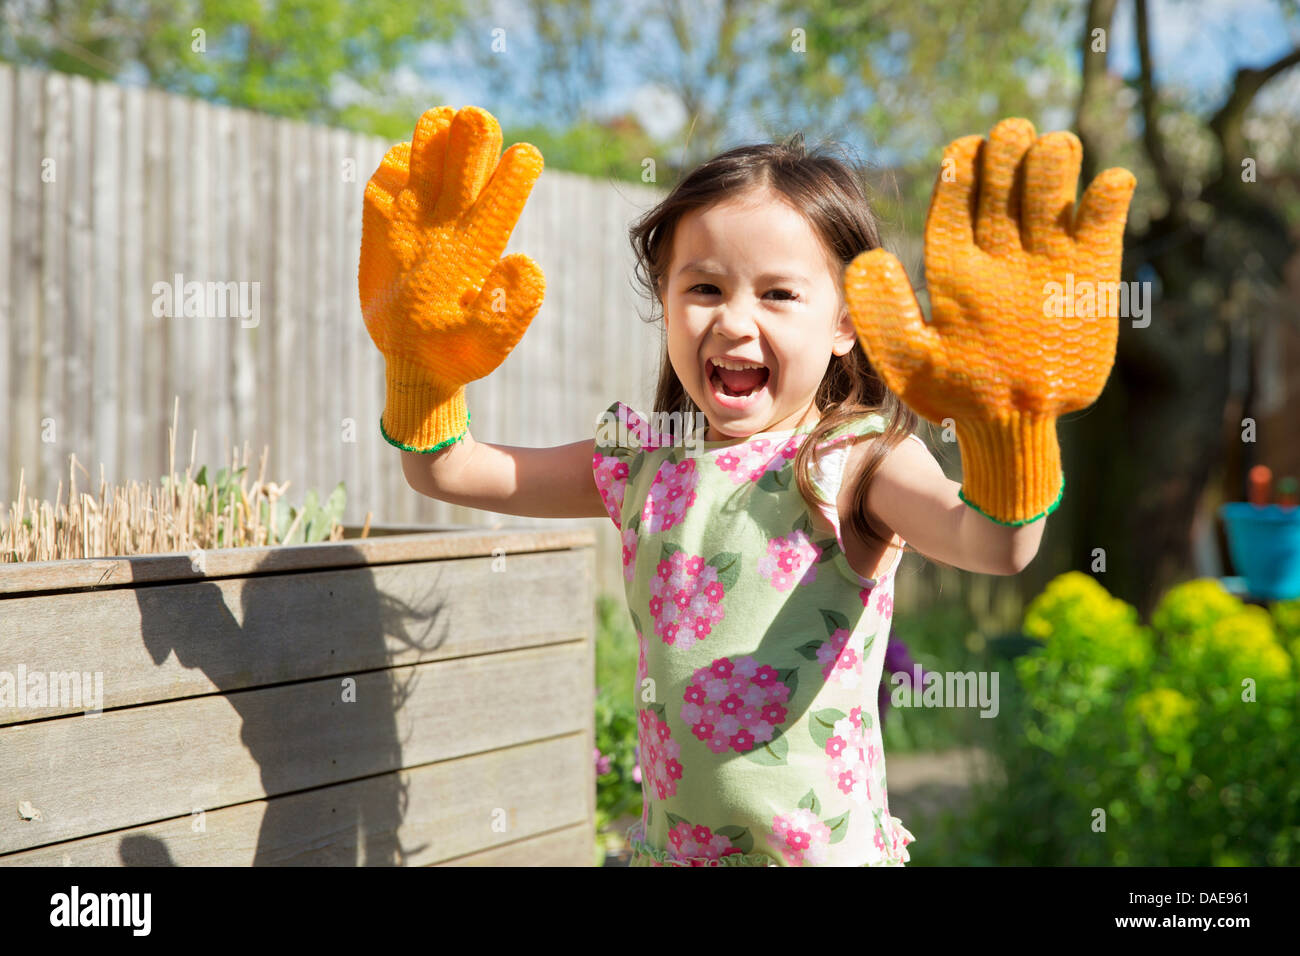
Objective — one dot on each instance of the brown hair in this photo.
(830, 194)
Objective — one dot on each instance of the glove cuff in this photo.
(1011, 467)
(420, 415)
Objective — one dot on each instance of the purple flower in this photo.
(897, 661)
(602, 763)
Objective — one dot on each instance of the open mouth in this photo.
(737, 382)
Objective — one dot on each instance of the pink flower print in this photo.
(671, 493)
(698, 844)
(865, 595)
(611, 479)
(847, 768)
(880, 840)
(726, 720)
(659, 754)
(801, 837)
(685, 604)
(885, 603)
(729, 462)
(629, 553)
(642, 670)
(841, 658)
(790, 560)
(751, 460)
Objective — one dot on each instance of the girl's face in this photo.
(751, 283)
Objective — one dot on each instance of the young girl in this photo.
(760, 547)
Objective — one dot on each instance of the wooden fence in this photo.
(106, 190)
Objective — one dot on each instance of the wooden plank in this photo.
(319, 328)
(8, 240)
(89, 775)
(108, 412)
(571, 846)
(438, 812)
(82, 315)
(178, 373)
(138, 321)
(288, 302)
(172, 641)
(150, 457)
(259, 245)
(34, 576)
(53, 409)
(206, 215)
(354, 337)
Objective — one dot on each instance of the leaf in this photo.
(202, 477)
(770, 754)
(791, 680)
(636, 621)
(834, 621)
(810, 649)
(668, 550)
(728, 566)
(839, 827)
(740, 837)
(827, 548)
(775, 481)
(822, 726)
(338, 501)
(674, 819)
(298, 533)
(809, 802)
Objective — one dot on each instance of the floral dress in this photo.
(761, 653)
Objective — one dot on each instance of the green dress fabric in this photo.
(761, 653)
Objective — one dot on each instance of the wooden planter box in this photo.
(403, 699)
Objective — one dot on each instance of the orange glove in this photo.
(998, 358)
(438, 301)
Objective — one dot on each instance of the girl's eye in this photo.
(792, 297)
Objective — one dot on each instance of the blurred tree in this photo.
(906, 79)
(1210, 231)
(294, 58)
(576, 50)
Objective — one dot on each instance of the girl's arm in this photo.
(534, 482)
(911, 495)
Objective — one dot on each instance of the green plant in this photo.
(618, 790)
(1163, 745)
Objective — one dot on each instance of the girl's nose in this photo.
(736, 320)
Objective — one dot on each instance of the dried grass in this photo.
(179, 516)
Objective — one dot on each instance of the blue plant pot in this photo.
(1264, 541)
